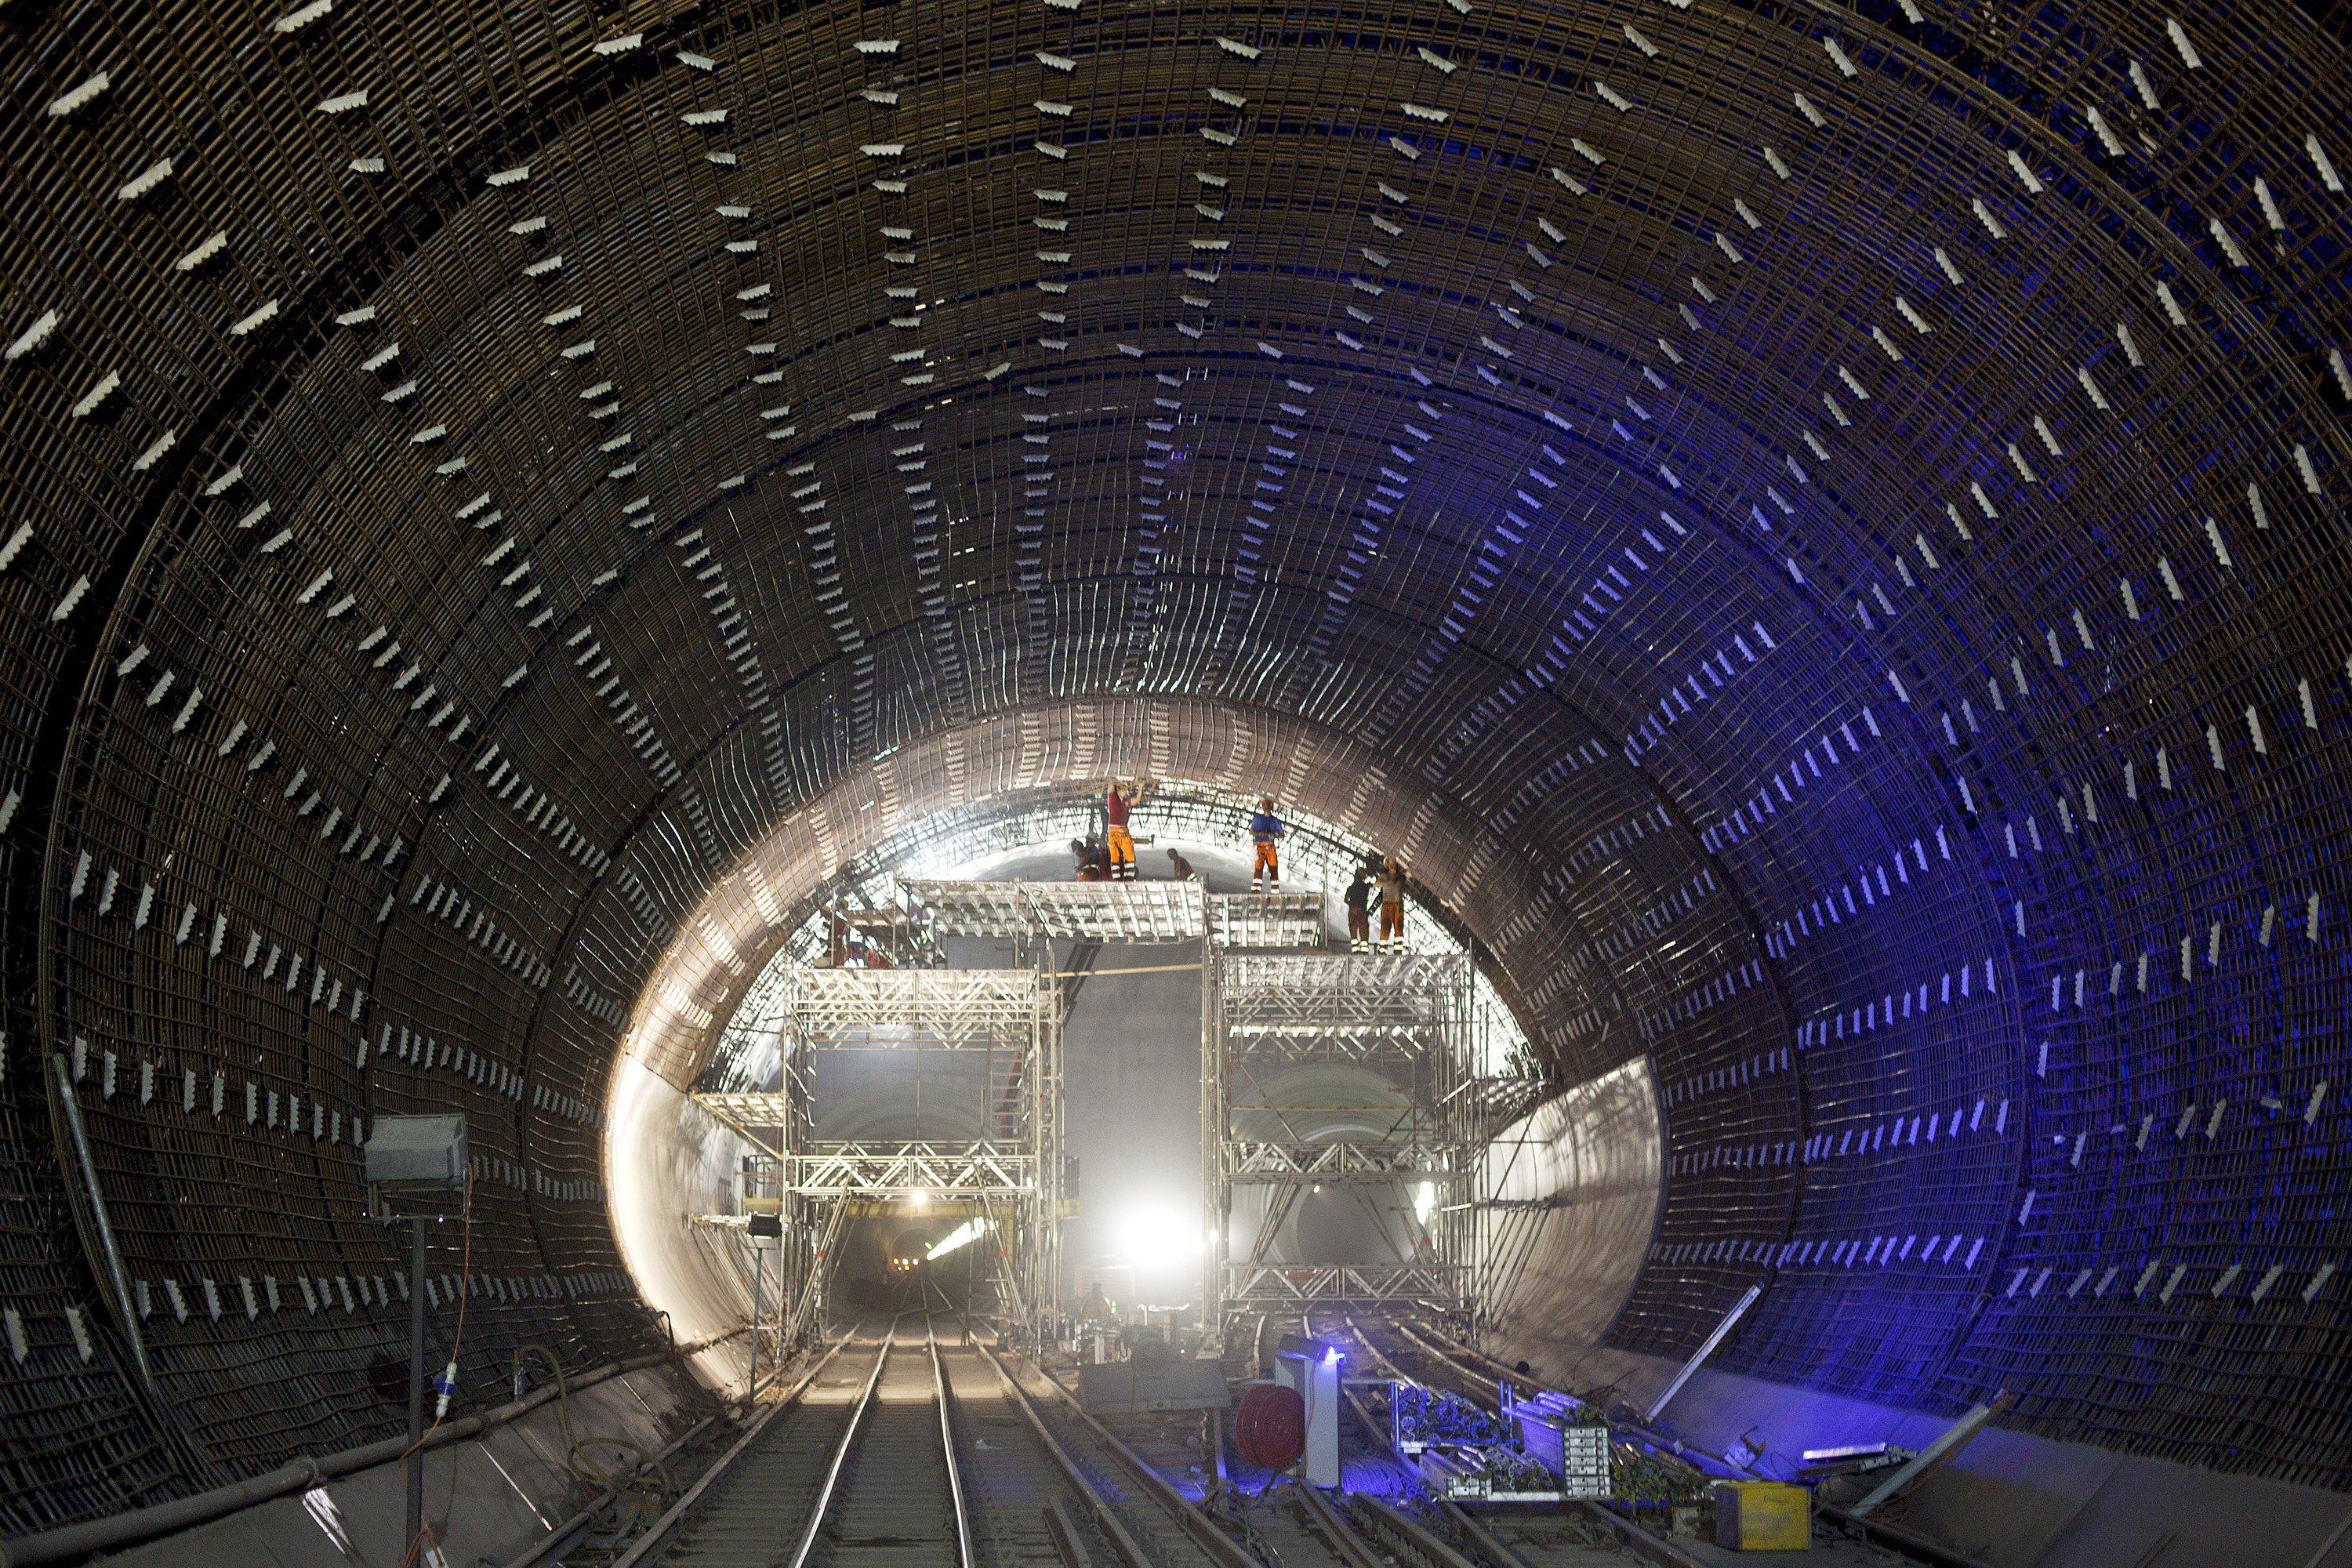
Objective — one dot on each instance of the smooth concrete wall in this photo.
(665, 1161)
(1562, 1273)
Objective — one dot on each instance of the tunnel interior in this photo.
(1816, 533)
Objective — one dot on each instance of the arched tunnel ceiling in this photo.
(1848, 499)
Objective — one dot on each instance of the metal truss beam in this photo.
(1011, 1177)
(1259, 1162)
(936, 1008)
(1258, 1286)
(1329, 993)
(1141, 912)
(1268, 919)
(912, 1170)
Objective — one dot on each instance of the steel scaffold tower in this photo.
(1011, 1176)
(1386, 1044)
(1152, 911)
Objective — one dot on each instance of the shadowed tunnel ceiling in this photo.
(1819, 528)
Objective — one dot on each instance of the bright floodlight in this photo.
(1157, 1235)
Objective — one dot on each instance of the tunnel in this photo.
(1814, 535)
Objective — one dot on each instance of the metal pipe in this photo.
(123, 1312)
(1949, 1441)
(1698, 1358)
(414, 1462)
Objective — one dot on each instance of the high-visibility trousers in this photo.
(1392, 919)
(1122, 847)
(1268, 865)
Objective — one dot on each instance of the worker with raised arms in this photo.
(1265, 831)
(1117, 801)
(1391, 883)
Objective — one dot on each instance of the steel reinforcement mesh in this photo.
(1818, 530)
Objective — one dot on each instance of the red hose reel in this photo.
(1270, 1427)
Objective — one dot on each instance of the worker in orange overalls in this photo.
(1391, 883)
(1265, 829)
(1117, 801)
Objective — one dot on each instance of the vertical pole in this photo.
(1214, 1219)
(759, 1262)
(415, 1464)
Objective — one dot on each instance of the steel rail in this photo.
(823, 1502)
(947, 1449)
(659, 1531)
(1329, 1522)
(564, 1535)
(1482, 1540)
(658, 1534)
(1104, 1514)
(1409, 1533)
(1188, 1517)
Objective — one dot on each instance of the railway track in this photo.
(903, 1448)
(911, 1449)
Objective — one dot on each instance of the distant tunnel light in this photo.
(964, 1234)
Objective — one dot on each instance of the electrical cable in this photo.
(424, 1540)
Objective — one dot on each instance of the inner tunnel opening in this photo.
(1565, 1193)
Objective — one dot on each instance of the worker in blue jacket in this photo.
(1265, 829)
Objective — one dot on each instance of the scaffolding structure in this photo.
(1399, 1108)
(1010, 1176)
(1144, 912)
(1389, 1042)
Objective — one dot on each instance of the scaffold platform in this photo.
(1143, 912)
(1139, 911)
